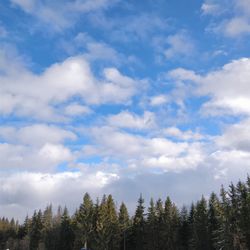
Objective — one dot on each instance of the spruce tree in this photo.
(66, 239)
(124, 225)
(84, 222)
(160, 225)
(138, 230)
(201, 225)
(183, 229)
(36, 230)
(151, 226)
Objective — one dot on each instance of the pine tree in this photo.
(84, 222)
(224, 237)
(201, 225)
(235, 218)
(160, 225)
(124, 225)
(138, 228)
(167, 224)
(101, 239)
(151, 226)
(47, 221)
(36, 230)
(112, 225)
(243, 215)
(66, 241)
(184, 229)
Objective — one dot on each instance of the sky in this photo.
(122, 97)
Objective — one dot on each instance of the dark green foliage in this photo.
(138, 227)
(66, 239)
(219, 223)
(36, 230)
(83, 222)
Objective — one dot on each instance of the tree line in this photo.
(219, 222)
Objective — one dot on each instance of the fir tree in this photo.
(138, 229)
(66, 241)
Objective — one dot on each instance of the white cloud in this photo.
(60, 14)
(183, 135)
(55, 153)
(139, 151)
(235, 19)
(235, 137)
(159, 100)
(180, 44)
(75, 109)
(236, 26)
(37, 146)
(183, 74)
(126, 119)
(26, 191)
(36, 135)
(210, 9)
(244, 6)
(132, 28)
(93, 49)
(43, 158)
(227, 87)
(24, 93)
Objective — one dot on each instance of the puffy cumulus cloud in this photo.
(24, 93)
(182, 135)
(93, 49)
(34, 146)
(236, 137)
(75, 109)
(140, 152)
(43, 158)
(227, 87)
(36, 135)
(180, 44)
(230, 164)
(235, 19)
(158, 100)
(37, 146)
(23, 192)
(126, 119)
(60, 14)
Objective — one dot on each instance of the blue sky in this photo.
(121, 97)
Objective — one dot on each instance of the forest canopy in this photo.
(219, 222)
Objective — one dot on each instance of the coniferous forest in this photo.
(220, 222)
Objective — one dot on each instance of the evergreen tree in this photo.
(112, 225)
(138, 229)
(124, 224)
(191, 225)
(47, 221)
(214, 221)
(101, 238)
(84, 222)
(183, 229)
(160, 225)
(36, 230)
(222, 224)
(201, 225)
(151, 226)
(224, 237)
(66, 241)
(167, 224)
